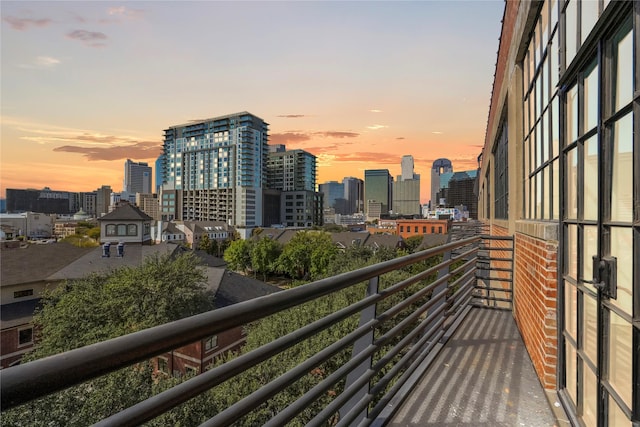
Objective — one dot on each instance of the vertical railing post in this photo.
(359, 346)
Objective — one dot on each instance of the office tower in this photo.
(293, 173)
(41, 201)
(353, 194)
(218, 166)
(439, 167)
(459, 190)
(406, 190)
(377, 192)
(332, 190)
(137, 177)
(103, 200)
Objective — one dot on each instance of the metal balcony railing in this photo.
(387, 346)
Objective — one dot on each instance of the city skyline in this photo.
(358, 84)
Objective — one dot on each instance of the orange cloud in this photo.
(140, 150)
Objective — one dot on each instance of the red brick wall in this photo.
(407, 228)
(9, 345)
(535, 303)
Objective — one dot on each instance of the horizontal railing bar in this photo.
(495, 248)
(490, 237)
(348, 393)
(168, 399)
(481, 258)
(255, 399)
(494, 279)
(462, 293)
(508, 270)
(35, 379)
(482, 288)
(492, 298)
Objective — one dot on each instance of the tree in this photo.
(412, 243)
(100, 307)
(238, 255)
(208, 245)
(264, 254)
(307, 253)
(94, 233)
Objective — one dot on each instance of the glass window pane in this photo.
(589, 17)
(622, 171)
(545, 83)
(571, 310)
(616, 416)
(556, 189)
(589, 249)
(589, 397)
(589, 327)
(539, 144)
(572, 184)
(622, 249)
(553, 58)
(620, 356)
(623, 63)
(553, 5)
(571, 263)
(544, 24)
(526, 116)
(571, 372)
(544, 140)
(571, 21)
(539, 184)
(572, 115)
(545, 196)
(591, 178)
(555, 127)
(591, 99)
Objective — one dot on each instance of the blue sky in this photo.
(86, 85)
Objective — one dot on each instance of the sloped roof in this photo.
(170, 228)
(126, 212)
(384, 240)
(210, 260)
(235, 288)
(35, 263)
(271, 232)
(94, 262)
(349, 238)
(431, 240)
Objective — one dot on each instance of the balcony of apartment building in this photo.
(437, 347)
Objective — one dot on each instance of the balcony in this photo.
(437, 348)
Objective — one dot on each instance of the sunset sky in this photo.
(86, 85)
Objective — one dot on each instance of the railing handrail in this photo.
(22, 383)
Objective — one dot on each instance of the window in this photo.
(440, 230)
(122, 230)
(501, 174)
(163, 365)
(402, 228)
(132, 230)
(211, 343)
(424, 228)
(23, 293)
(111, 230)
(25, 336)
(433, 229)
(191, 370)
(541, 107)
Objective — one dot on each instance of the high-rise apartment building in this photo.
(440, 167)
(137, 177)
(378, 190)
(159, 168)
(293, 173)
(103, 200)
(218, 166)
(406, 190)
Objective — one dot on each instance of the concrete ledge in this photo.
(545, 230)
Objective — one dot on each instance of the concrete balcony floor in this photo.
(482, 377)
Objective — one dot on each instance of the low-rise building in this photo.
(126, 224)
(416, 227)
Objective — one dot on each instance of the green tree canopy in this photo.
(238, 255)
(264, 254)
(308, 253)
(99, 307)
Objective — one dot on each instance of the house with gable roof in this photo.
(125, 224)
